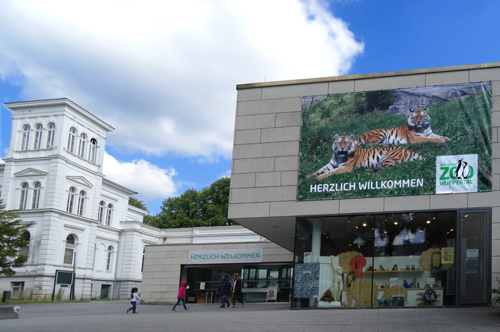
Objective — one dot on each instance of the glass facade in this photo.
(390, 260)
(260, 282)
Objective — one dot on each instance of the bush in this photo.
(496, 291)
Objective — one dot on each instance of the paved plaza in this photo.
(111, 317)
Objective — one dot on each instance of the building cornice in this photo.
(368, 76)
(56, 102)
(118, 187)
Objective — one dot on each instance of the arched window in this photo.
(81, 145)
(26, 137)
(25, 251)
(109, 214)
(81, 202)
(50, 135)
(109, 258)
(71, 200)
(38, 136)
(71, 140)
(69, 251)
(24, 196)
(36, 195)
(100, 211)
(93, 150)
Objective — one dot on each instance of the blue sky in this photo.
(164, 73)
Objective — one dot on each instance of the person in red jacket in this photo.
(181, 295)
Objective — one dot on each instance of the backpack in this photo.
(430, 295)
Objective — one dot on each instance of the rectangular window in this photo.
(68, 256)
(17, 289)
(108, 262)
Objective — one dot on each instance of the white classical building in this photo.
(79, 220)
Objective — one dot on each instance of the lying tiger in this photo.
(347, 156)
(418, 130)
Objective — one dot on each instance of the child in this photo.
(181, 295)
(133, 301)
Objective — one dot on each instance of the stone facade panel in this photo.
(253, 165)
(280, 134)
(268, 194)
(248, 210)
(243, 180)
(289, 178)
(269, 106)
(386, 83)
(249, 94)
(288, 119)
(272, 179)
(495, 89)
(247, 136)
(362, 205)
(255, 121)
(341, 87)
(266, 150)
(287, 163)
(420, 202)
(448, 201)
(486, 199)
(299, 90)
(449, 77)
(311, 208)
(487, 74)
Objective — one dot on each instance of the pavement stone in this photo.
(263, 317)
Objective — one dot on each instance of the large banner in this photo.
(415, 141)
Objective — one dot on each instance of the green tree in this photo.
(215, 203)
(195, 209)
(12, 239)
(137, 203)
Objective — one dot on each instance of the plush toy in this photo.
(327, 296)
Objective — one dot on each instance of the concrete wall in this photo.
(266, 146)
(162, 266)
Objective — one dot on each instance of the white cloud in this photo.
(163, 73)
(147, 179)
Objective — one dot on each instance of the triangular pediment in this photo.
(80, 180)
(30, 172)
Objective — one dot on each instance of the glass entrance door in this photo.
(474, 267)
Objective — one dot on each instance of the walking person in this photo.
(181, 295)
(134, 297)
(223, 290)
(237, 295)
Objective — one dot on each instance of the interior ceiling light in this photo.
(428, 221)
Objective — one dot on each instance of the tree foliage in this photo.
(137, 203)
(12, 239)
(193, 208)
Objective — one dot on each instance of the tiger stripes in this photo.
(417, 130)
(347, 156)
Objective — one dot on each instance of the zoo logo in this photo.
(461, 171)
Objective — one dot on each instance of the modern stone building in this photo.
(201, 256)
(424, 215)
